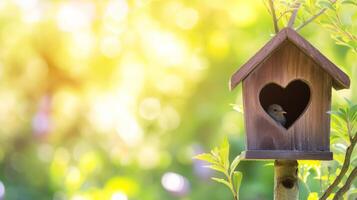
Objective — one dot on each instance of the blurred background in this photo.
(111, 99)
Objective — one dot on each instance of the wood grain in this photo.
(310, 133)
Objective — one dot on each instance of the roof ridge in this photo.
(341, 80)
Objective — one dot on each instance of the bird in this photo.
(277, 113)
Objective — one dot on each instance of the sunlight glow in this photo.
(32, 15)
(244, 13)
(10, 111)
(111, 113)
(129, 130)
(66, 103)
(218, 44)
(73, 178)
(117, 10)
(169, 118)
(75, 16)
(83, 43)
(167, 49)
(103, 115)
(79, 197)
(110, 46)
(27, 4)
(131, 69)
(119, 196)
(187, 18)
(171, 84)
(148, 157)
(150, 108)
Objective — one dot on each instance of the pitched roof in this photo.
(340, 79)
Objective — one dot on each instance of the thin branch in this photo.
(293, 16)
(311, 19)
(347, 185)
(272, 9)
(322, 11)
(266, 6)
(340, 24)
(345, 166)
(284, 13)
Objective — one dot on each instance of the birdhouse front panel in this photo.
(286, 95)
(286, 99)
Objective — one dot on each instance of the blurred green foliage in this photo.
(218, 160)
(111, 99)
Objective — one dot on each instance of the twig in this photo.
(293, 16)
(350, 36)
(347, 185)
(345, 166)
(275, 21)
(283, 13)
(266, 6)
(313, 17)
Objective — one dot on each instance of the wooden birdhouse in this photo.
(289, 72)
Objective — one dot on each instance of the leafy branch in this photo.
(322, 11)
(347, 117)
(308, 11)
(342, 31)
(218, 160)
(347, 185)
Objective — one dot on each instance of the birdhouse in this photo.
(292, 78)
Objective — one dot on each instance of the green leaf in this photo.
(215, 152)
(352, 191)
(206, 157)
(224, 153)
(217, 168)
(353, 113)
(224, 182)
(350, 104)
(349, 2)
(339, 147)
(354, 161)
(342, 113)
(237, 180)
(326, 4)
(336, 113)
(235, 163)
(353, 109)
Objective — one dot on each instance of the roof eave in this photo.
(340, 79)
(258, 58)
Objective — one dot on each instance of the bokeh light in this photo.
(175, 183)
(111, 99)
(2, 190)
(119, 196)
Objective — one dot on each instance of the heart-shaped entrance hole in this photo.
(294, 99)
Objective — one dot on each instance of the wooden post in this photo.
(286, 180)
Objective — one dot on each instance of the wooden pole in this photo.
(286, 180)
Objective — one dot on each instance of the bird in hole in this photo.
(277, 113)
